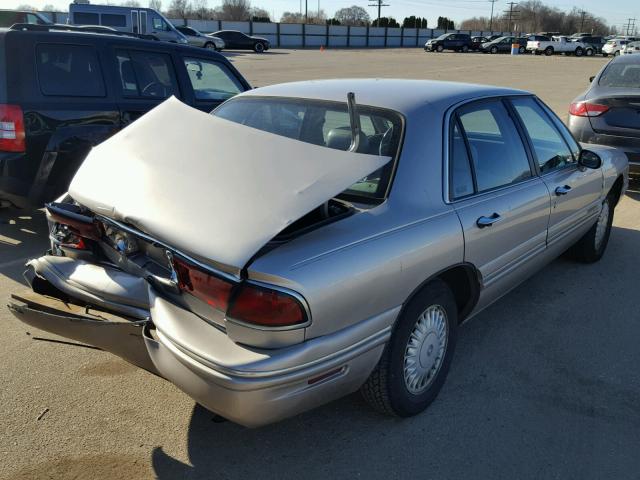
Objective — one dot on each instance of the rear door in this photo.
(502, 205)
(575, 191)
(144, 79)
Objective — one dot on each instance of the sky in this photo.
(615, 12)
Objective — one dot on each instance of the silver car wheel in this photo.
(210, 46)
(425, 349)
(602, 225)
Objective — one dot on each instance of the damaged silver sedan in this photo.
(307, 240)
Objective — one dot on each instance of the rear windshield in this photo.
(325, 124)
(621, 75)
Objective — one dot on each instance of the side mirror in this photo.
(591, 79)
(588, 159)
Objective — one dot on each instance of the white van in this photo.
(145, 21)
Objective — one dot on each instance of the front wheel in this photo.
(494, 50)
(210, 46)
(416, 360)
(258, 47)
(522, 50)
(465, 48)
(439, 48)
(589, 52)
(591, 246)
(579, 51)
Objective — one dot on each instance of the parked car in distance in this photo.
(503, 44)
(459, 42)
(66, 91)
(352, 272)
(235, 40)
(476, 42)
(594, 41)
(560, 44)
(614, 46)
(144, 21)
(11, 17)
(631, 47)
(608, 112)
(198, 39)
(538, 38)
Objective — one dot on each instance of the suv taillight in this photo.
(266, 307)
(586, 109)
(11, 128)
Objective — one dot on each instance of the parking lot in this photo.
(544, 384)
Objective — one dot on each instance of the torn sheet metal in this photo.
(208, 186)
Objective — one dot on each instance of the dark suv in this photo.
(596, 42)
(460, 42)
(62, 92)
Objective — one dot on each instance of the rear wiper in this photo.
(354, 120)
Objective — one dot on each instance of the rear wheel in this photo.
(416, 360)
(522, 50)
(592, 245)
(579, 51)
(258, 47)
(548, 51)
(589, 52)
(617, 53)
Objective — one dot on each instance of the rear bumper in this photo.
(248, 385)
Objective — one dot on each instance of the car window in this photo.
(146, 74)
(211, 80)
(85, 18)
(621, 75)
(69, 70)
(461, 180)
(31, 18)
(497, 152)
(160, 25)
(549, 147)
(325, 124)
(566, 134)
(113, 20)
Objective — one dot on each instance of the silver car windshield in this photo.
(621, 75)
(326, 124)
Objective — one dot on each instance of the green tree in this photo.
(414, 22)
(385, 22)
(445, 24)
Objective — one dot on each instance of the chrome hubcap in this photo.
(425, 350)
(603, 223)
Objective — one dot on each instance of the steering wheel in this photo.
(155, 89)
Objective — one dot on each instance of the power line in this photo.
(512, 14)
(491, 19)
(379, 4)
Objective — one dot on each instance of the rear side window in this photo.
(211, 80)
(461, 177)
(112, 20)
(84, 18)
(146, 74)
(498, 156)
(69, 70)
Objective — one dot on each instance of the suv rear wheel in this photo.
(416, 360)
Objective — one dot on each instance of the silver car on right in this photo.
(608, 112)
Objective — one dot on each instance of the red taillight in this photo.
(11, 128)
(266, 307)
(586, 109)
(208, 288)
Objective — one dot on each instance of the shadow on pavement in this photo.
(544, 384)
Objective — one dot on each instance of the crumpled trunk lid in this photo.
(210, 187)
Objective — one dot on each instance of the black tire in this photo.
(386, 389)
(493, 50)
(258, 47)
(605, 54)
(548, 51)
(210, 46)
(579, 51)
(465, 48)
(587, 249)
(522, 50)
(439, 48)
(589, 52)
(617, 53)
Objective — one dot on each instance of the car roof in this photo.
(407, 96)
(626, 59)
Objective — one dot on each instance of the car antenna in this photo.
(354, 120)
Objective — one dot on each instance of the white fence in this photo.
(296, 35)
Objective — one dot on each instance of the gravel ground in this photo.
(544, 384)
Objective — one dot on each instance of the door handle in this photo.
(563, 190)
(487, 221)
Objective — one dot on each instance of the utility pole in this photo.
(630, 26)
(512, 13)
(582, 15)
(379, 4)
(306, 11)
(491, 18)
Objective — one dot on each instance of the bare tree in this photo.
(49, 8)
(292, 17)
(179, 9)
(27, 7)
(131, 3)
(156, 5)
(353, 15)
(200, 9)
(237, 10)
(260, 15)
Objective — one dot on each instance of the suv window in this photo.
(211, 80)
(146, 74)
(69, 70)
(113, 20)
(160, 25)
(495, 147)
(85, 18)
(549, 147)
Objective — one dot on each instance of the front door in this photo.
(502, 205)
(575, 191)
